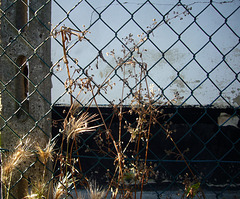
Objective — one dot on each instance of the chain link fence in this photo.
(159, 79)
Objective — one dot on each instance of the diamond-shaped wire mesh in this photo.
(184, 53)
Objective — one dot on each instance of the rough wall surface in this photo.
(25, 82)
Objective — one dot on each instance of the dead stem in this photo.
(144, 110)
(65, 60)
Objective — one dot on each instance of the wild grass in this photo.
(131, 172)
(146, 103)
(12, 162)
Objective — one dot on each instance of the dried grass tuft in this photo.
(15, 158)
(73, 127)
(46, 154)
(96, 192)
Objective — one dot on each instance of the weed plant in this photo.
(131, 172)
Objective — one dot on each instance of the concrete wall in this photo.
(25, 58)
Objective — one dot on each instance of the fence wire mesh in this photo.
(160, 81)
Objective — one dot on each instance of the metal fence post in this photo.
(25, 84)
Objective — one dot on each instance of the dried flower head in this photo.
(60, 189)
(20, 154)
(46, 154)
(73, 126)
(39, 190)
(96, 192)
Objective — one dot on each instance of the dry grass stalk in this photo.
(142, 105)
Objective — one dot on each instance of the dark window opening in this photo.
(22, 85)
(21, 14)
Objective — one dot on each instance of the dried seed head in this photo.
(74, 127)
(45, 154)
(96, 192)
(20, 154)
